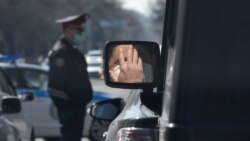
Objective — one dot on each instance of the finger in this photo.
(135, 56)
(140, 65)
(112, 76)
(129, 56)
(101, 74)
(121, 58)
(140, 62)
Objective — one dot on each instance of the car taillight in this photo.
(137, 134)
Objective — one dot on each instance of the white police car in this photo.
(14, 125)
(34, 78)
(8, 132)
(94, 60)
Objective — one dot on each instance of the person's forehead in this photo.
(124, 47)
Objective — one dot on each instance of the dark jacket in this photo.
(68, 73)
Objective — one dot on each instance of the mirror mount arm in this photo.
(152, 100)
(147, 90)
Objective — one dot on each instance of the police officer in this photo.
(69, 85)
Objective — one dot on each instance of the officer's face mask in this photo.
(77, 39)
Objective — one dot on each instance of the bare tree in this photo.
(27, 27)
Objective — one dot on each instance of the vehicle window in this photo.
(94, 54)
(35, 79)
(5, 85)
(29, 78)
(16, 77)
(1, 82)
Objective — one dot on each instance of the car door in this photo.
(19, 120)
(43, 112)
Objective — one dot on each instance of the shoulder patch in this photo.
(59, 62)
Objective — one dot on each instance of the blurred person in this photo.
(69, 85)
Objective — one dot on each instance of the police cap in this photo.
(73, 20)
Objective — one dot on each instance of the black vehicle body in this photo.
(207, 95)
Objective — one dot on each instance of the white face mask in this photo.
(116, 70)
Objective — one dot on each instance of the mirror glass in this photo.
(135, 62)
(106, 111)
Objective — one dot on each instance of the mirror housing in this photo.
(107, 109)
(131, 64)
(10, 105)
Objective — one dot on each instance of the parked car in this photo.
(29, 78)
(15, 125)
(8, 131)
(45, 63)
(202, 90)
(94, 60)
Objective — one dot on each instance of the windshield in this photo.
(29, 78)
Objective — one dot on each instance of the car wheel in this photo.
(97, 128)
(53, 139)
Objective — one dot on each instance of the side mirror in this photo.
(10, 105)
(26, 96)
(107, 109)
(131, 64)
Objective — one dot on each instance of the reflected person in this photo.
(125, 65)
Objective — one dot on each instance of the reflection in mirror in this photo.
(105, 111)
(131, 63)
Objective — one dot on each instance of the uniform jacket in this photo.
(68, 73)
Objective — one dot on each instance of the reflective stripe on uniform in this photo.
(58, 94)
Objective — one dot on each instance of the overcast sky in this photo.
(141, 6)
